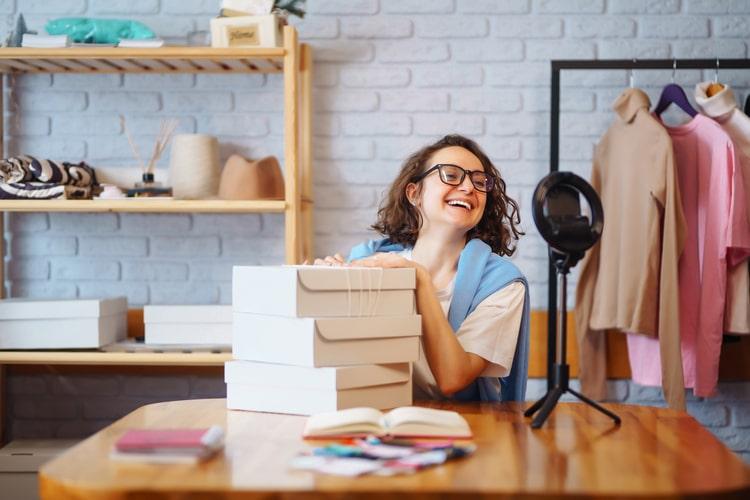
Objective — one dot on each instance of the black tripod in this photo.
(563, 263)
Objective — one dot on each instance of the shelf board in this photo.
(143, 205)
(156, 60)
(114, 358)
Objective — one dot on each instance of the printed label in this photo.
(242, 35)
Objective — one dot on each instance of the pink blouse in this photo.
(714, 205)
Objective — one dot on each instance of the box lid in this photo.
(254, 373)
(187, 314)
(320, 278)
(24, 308)
(370, 327)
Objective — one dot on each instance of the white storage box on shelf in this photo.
(62, 324)
(300, 390)
(247, 31)
(320, 342)
(318, 291)
(188, 324)
(20, 461)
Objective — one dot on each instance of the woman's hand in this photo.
(386, 260)
(335, 260)
(392, 261)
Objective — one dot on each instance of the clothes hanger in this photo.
(674, 94)
(715, 87)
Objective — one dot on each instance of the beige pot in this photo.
(194, 166)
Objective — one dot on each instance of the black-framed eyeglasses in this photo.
(453, 175)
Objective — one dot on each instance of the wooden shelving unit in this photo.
(114, 358)
(293, 60)
(144, 205)
(159, 60)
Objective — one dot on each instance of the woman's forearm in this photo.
(451, 365)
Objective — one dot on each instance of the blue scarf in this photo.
(480, 274)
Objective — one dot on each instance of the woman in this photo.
(447, 215)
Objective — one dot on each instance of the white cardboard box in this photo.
(188, 324)
(319, 291)
(321, 342)
(20, 461)
(254, 7)
(246, 31)
(299, 390)
(218, 334)
(23, 308)
(187, 314)
(62, 324)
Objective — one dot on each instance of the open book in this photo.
(407, 421)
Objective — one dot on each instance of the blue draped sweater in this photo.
(480, 274)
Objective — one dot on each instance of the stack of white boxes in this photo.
(308, 339)
(62, 324)
(188, 324)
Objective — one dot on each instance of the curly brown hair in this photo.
(400, 221)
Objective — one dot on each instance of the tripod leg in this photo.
(596, 405)
(533, 408)
(549, 405)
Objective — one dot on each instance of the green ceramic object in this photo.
(87, 30)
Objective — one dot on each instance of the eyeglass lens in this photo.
(454, 176)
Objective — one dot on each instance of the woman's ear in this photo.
(412, 193)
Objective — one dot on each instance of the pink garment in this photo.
(714, 205)
(722, 107)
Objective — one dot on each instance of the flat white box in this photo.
(188, 324)
(62, 324)
(318, 291)
(299, 390)
(318, 342)
(23, 308)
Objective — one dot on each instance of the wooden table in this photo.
(655, 452)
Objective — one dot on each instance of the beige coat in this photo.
(723, 108)
(628, 281)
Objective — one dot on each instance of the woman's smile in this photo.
(461, 203)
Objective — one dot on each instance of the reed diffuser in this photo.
(148, 186)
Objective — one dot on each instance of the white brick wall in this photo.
(389, 77)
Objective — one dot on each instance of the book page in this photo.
(412, 420)
(350, 421)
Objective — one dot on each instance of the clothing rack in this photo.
(602, 64)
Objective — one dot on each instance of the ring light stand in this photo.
(557, 215)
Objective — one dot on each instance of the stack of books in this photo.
(188, 324)
(309, 339)
(144, 43)
(45, 41)
(168, 445)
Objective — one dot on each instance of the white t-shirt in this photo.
(490, 331)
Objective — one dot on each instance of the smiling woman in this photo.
(447, 215)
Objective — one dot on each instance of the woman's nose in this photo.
(466, 184)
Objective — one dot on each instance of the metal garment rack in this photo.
(592, 65)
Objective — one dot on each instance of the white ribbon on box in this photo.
(370, 310)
